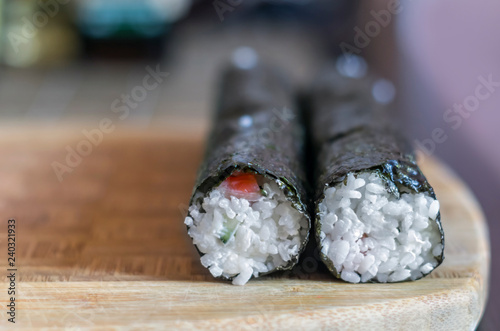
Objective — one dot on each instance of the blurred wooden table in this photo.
(106, 248)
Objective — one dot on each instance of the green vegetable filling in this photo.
(229, 228)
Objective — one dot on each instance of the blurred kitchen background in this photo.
(65, 62)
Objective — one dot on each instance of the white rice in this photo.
(269, 234)
(371, 235)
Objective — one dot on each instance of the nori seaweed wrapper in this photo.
(350, 133)
(257, 128)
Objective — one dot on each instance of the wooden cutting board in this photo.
(106, 248)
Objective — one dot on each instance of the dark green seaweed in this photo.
(351, 132)
(257, 129)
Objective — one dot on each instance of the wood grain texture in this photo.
(107, 249)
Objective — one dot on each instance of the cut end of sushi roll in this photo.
(246, 227)
(368, 234)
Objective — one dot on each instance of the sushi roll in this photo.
(248, 212)
(376, 216)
